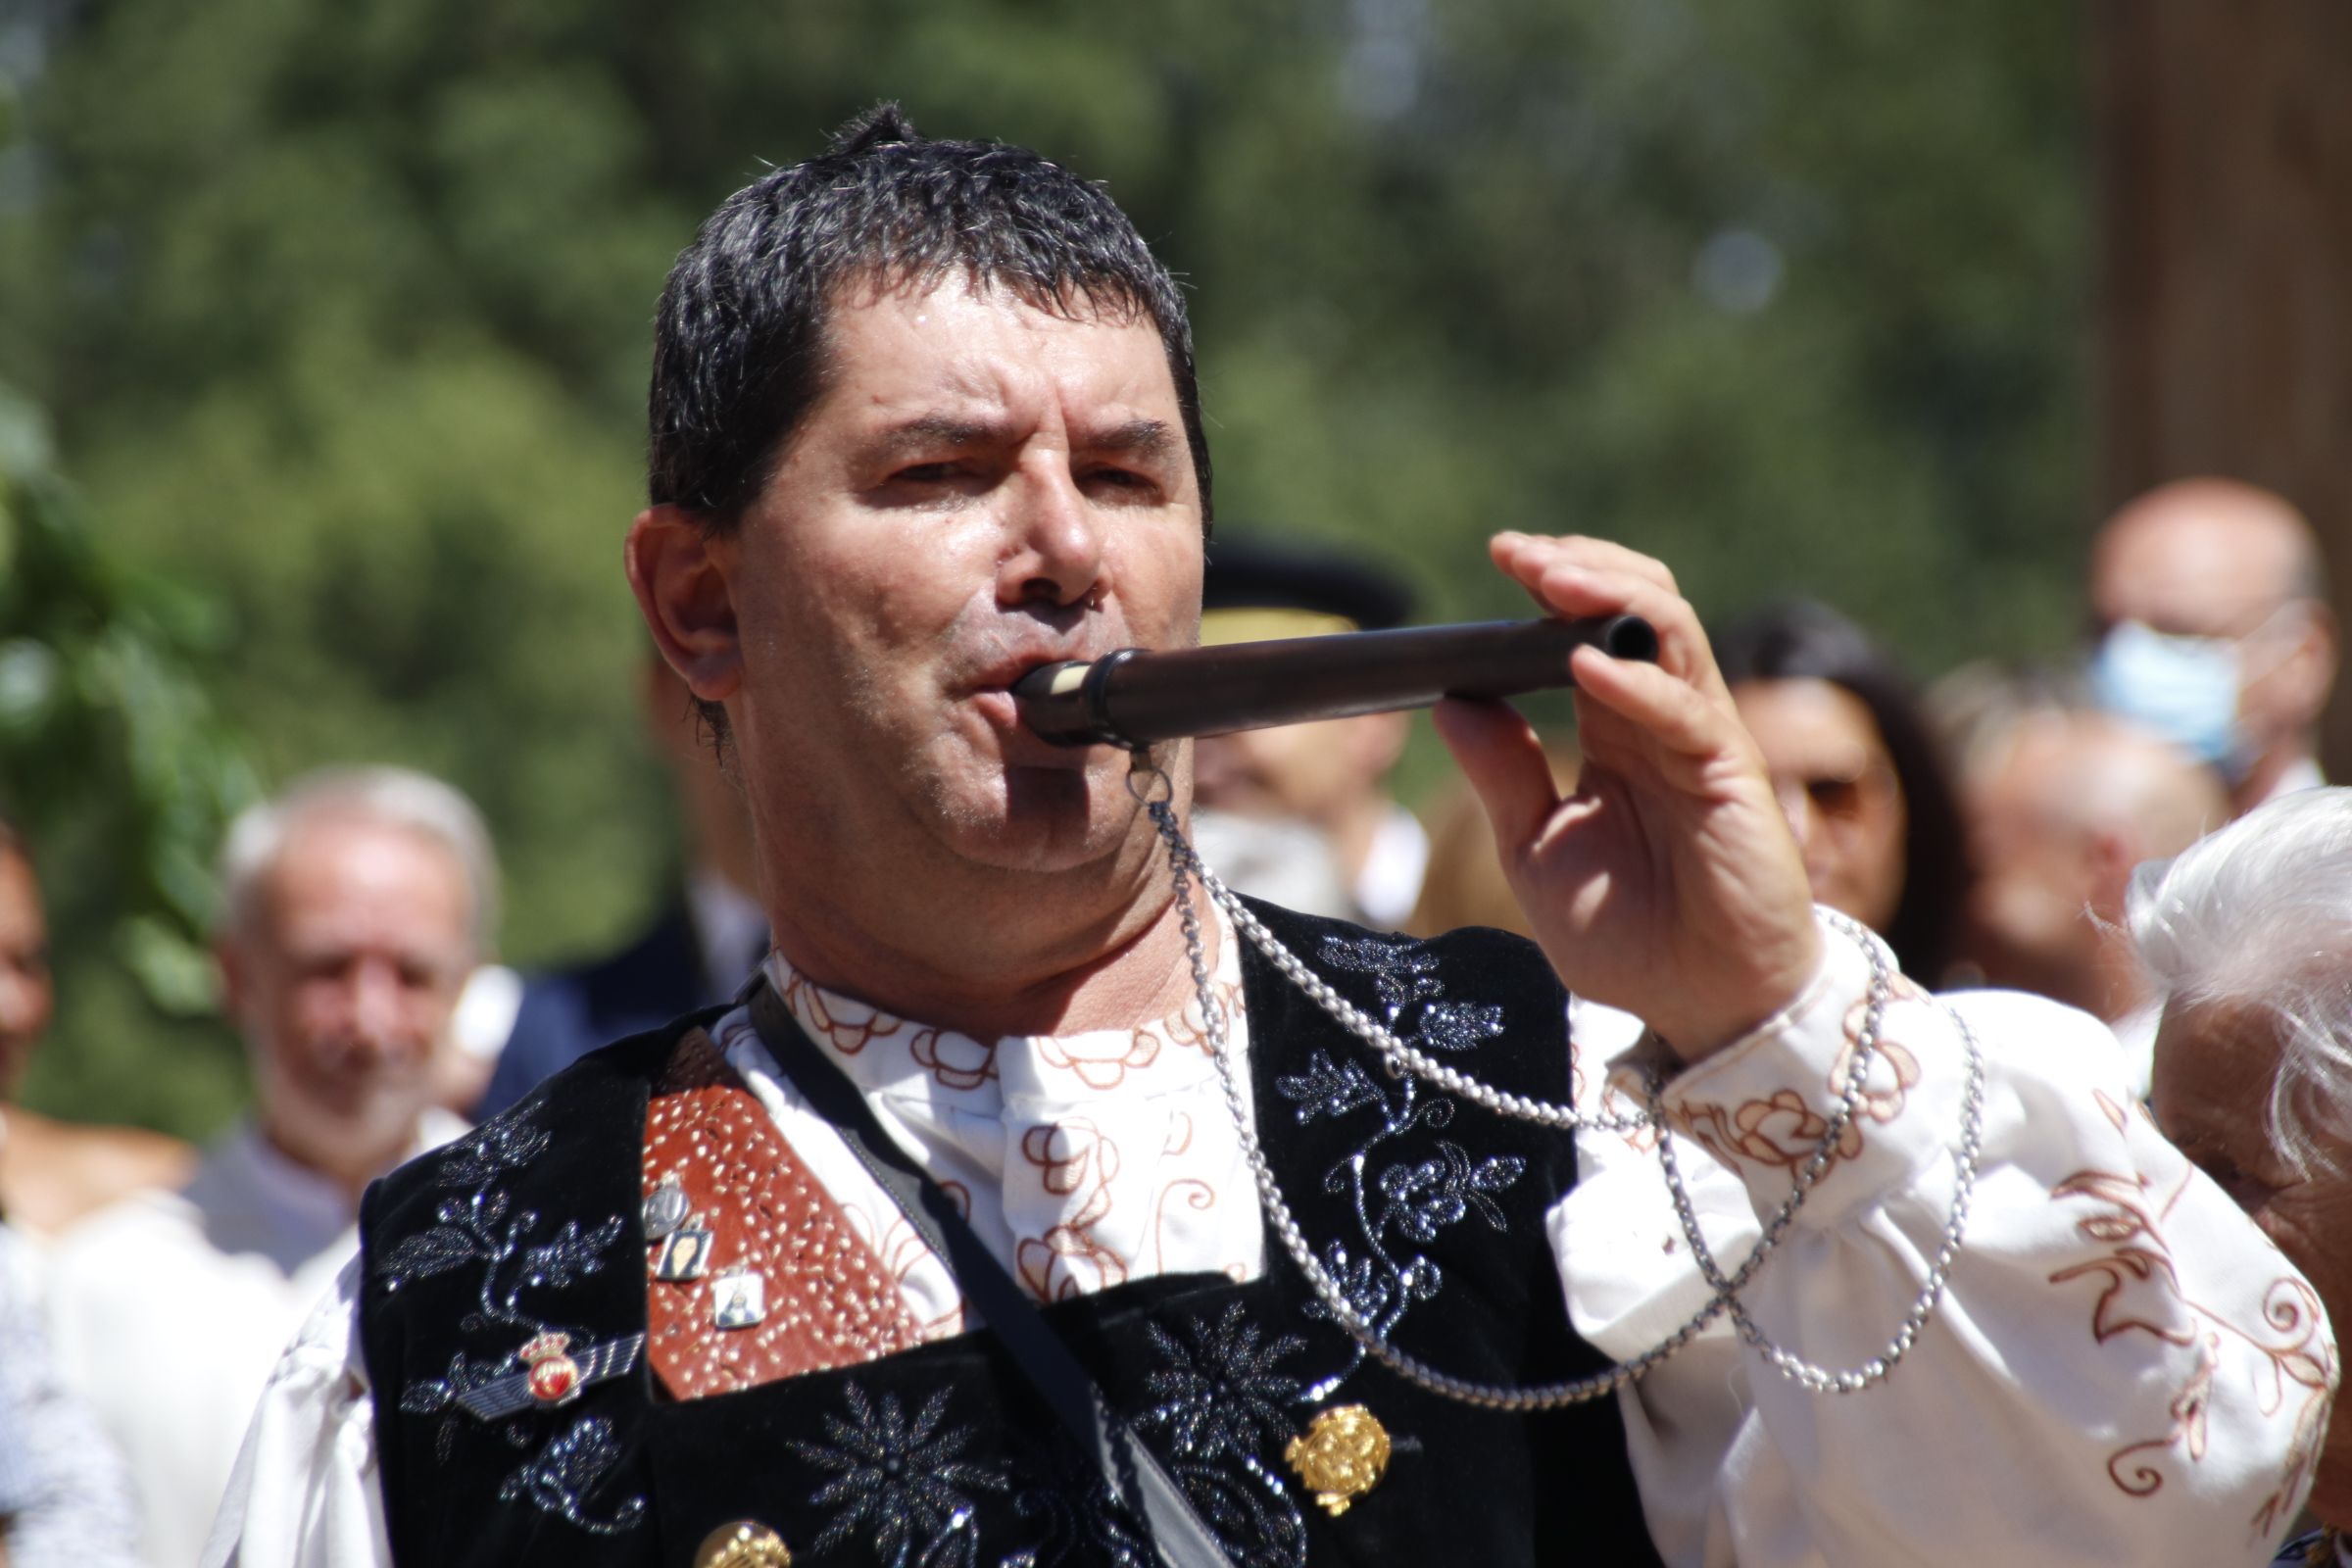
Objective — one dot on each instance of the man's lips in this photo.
(992, 697)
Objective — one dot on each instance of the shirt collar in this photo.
(899, 1056)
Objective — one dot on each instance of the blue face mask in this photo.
(2182, 688)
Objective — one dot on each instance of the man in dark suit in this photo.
(706, 939)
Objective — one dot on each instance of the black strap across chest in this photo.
(1128, 1467)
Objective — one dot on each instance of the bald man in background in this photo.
(2062, 807)
(2215, 631)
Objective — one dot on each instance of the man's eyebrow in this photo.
(932, 431)
(1142, 438)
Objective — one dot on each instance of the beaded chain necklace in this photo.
(1153, 790)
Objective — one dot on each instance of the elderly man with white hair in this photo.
(2247, 938)
(353, 907)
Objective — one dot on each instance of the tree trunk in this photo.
(2224, 184)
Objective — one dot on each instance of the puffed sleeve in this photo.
(304, 1494)
(2120, 1369)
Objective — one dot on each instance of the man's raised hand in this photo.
(1667, 884)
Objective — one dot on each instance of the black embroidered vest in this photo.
(1431, 1212)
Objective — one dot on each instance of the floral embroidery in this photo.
(1782, 1129)
(1070, 1155)
(568, 1470)
(954, 1061)
(1081, 1520)
(904, 1489)
(481, 1228)
(2142, 1294)
(901, 1485)
(1327, 1089)
(1188, 1029)
(1102, 1059)
(1437, 1193)
(1222, 1400)
(1091, 1152)
(1407, 1199)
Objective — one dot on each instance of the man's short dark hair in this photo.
(739, 352)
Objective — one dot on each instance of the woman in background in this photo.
(1858, 773)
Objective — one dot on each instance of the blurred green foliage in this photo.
(341, 314)
(114, 758)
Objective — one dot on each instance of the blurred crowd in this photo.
(2064, 830)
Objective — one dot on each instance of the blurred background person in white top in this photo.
(354, 907)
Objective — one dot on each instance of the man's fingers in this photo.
(1662, 705)
(1499, 753)
(1525, 556)
(1573, 590)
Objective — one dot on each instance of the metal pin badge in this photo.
(685, 1253)
(665, 1208)
(743, 1543)
(1342, 1455)
(739, 1299)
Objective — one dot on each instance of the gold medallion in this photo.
(745, 1543)
(1343, 1456)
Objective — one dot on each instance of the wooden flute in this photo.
(1136, 697)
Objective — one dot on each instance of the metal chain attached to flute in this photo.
(1136, 698)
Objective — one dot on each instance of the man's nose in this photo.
(1056, 556)
(378, 1006)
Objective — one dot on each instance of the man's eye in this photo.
(924, 473)
(1123, 479)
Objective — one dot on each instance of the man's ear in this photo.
(2310, 670)
(2110, 855)
(677, 570)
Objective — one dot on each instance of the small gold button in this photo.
(1342, 1455)
(745, 1543)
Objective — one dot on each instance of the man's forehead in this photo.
(2183, 557)
(346, 862)
(981, 343)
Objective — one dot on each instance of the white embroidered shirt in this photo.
(2121, 1370)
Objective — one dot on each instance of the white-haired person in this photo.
(2247, 939)
(353, 907)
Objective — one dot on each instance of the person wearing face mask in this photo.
(2215, 631)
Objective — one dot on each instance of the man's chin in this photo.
(1045, 820)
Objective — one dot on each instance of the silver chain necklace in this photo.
(1151, 786)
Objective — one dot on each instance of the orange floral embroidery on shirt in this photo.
(1782, 1129)
(955, 1061)
(1071, 1156)
(1100, 1069)
(2140, 1293)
